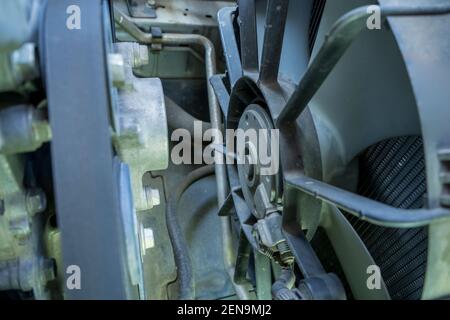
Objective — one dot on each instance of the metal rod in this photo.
(263, 275)
(216, 122)
(415, 10)
(221, 92)
(304, 254)
(366, 209)
(273, 40)
(339, 39)
(242, 260)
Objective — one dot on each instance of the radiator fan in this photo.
(353, 194)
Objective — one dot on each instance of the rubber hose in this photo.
(281, 288)
(179, 243)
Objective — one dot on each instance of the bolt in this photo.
(42, 132)
(36, 201)
(153, 197)
(148, 239)
(285, 253)
(24, 63)
(41, 129)
(117, 69)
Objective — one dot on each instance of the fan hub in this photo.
(253, 153)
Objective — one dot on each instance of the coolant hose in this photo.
(179, 243)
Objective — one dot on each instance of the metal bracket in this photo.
(142, 9)
(157, 35)
(142, 138)
(444, 158)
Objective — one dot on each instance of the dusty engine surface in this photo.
(212, 150)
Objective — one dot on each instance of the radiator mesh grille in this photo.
(393, 172)
(316, 17)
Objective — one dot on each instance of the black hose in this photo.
(281, 288)
(179, 243)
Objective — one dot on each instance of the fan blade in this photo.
(273, 40)
(248, 33)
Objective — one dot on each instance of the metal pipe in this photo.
(339, 39)
(366, 209)
(415, 10)
(216, 123)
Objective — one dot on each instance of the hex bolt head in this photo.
(153, 197)
(24, 63)
(36, 201)
(117, 69)
(42, 131)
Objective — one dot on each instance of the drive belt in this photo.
(86, 193)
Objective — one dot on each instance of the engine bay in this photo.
(224, 150)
